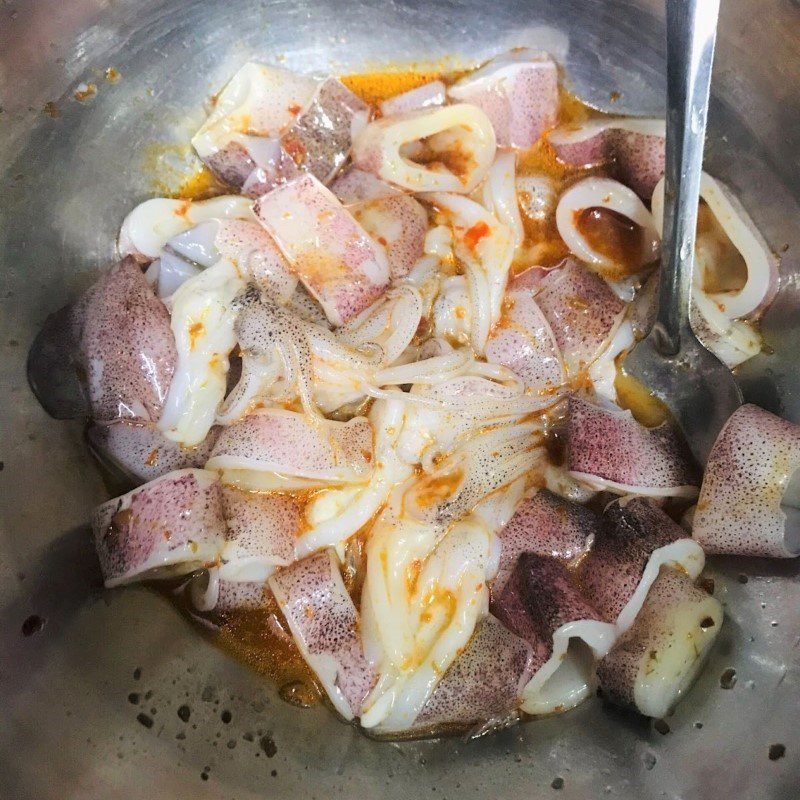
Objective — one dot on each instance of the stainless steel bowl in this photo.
(71, 170)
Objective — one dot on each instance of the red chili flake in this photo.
(477, 232)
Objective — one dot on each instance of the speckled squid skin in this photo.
(582, 311)
(739, 509)
(632, 529)
(672, 595)
(176, 521)
(611, 445)
(484, 683)
(546, 525)
(127, 349)
(325, 624)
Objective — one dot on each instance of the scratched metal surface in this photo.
(68, 729)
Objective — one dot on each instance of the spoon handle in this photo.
(691, 32)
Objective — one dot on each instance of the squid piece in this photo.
(319, 140)
(500, 195)
(262, 529)
(541, 603)
(399, 225)
(584, 314)
(208, 593)
(546, 525)
(147, 229)
(337, 261)
(353, 186)
(483, 684)
(634, 146)
(486, 248)
(254, 108)
(536, 197)
(724, 227)
(334, 515)
(444, 149)
(451, 312)
(636, 540)
(523, 341)
(429, 94)
(518, 91)
(749, 503)
(138, 452)
(126, 348)
(171, 526)
(653, 665)
(203, 316)
(272, 448)
(608, 449)
(326, 628)
(588, 220)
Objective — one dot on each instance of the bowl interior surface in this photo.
(70, 171)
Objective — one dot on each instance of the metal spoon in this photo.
(698, 389)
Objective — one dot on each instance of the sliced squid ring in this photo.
(762, 266)
(637, 538)
(148, 228)
(607, 194)
(325, 625)
(749, 502)
(635, 145)
(170, 526)
(540, 603)
(608, 449)
(653, 665)
(461, 142)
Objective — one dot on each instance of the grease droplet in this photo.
(728, 678)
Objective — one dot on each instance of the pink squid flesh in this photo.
(483, 683)
(636, 538)
(750, 496)
(325, 625)
(334, 257)
(608, 449)
(172, 526)
(518, 91)
(429, 94)
(353, 186)
(546, 525)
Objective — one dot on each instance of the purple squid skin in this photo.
(146, 528)
(632, 529)
(323, 617)
(547, 525)
(126, 346)
(484, 683)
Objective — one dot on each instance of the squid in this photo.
(353, 186)
(654, 663)
(284, 356)
(582, 311)
(484, 685)
(622, 255)
(608, 449)
(137, 452)
(519, 93)
(125, 347)
(736, 274)
(635, 147)
(168, 527)
(435, 149)
(541, 603)
(429, 94)
(500, 195)
(546, 525)
(325, 626)
(338, 262)
(399, 224)
(523, 341)
(636, 540)
(277, 449)
(750, 496)
(486, 248)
